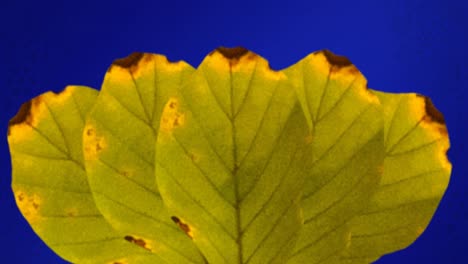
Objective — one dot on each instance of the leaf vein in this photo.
(337, 102)
(117, 172)
(335, 146)
(414, 149)
(247, 93)
(392, 121)
(145, 111)
(218, 102)
(257, 132)
(195, 201)
(324, 235)
(213, 186)
(324, 93)
(270, 156)
(271, 195)
(407, 133)
(277, 222)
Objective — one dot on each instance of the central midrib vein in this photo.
(234, 171)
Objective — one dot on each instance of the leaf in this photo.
(229, 159)
(229, 163)
(416, 175)
(50, 184)
(119, 139)
(346, 151)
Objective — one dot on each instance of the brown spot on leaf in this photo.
(89, 131)
(336, 60)
(124, 173)
(171, 118)
(98, 147)
(193, 157)
(137, 241)
(121, 261)
(182, 225)
(232, 53)
(28, 205)
(71, 213)
(129, 61)
(93, 143)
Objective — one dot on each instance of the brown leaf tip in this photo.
(129, 61)
(232, 53)
(432, 112)
(21, 116)
(336, 60)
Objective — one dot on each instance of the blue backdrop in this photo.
(400, 46)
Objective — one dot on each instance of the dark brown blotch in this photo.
(232, 53)
(172, 105)
(336, 60)
(182, 225)
(129, 61)
(431, 111)
(98, 147)
(23, 115)
(137, 241)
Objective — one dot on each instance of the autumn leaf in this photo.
(231, 162)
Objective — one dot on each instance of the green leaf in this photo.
(50, 184)
(346, 151)
(416, 175)
(229, 159)
(119, 139)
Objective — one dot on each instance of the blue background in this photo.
(400, 46)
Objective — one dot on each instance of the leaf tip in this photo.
(23, 115)
(129, 61)
(432, 112)
(232, 53)
(336, 60)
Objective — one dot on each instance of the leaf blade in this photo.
(50, 184)
(347, 138)
(119, 135)
(416, 174)
(214, 130)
